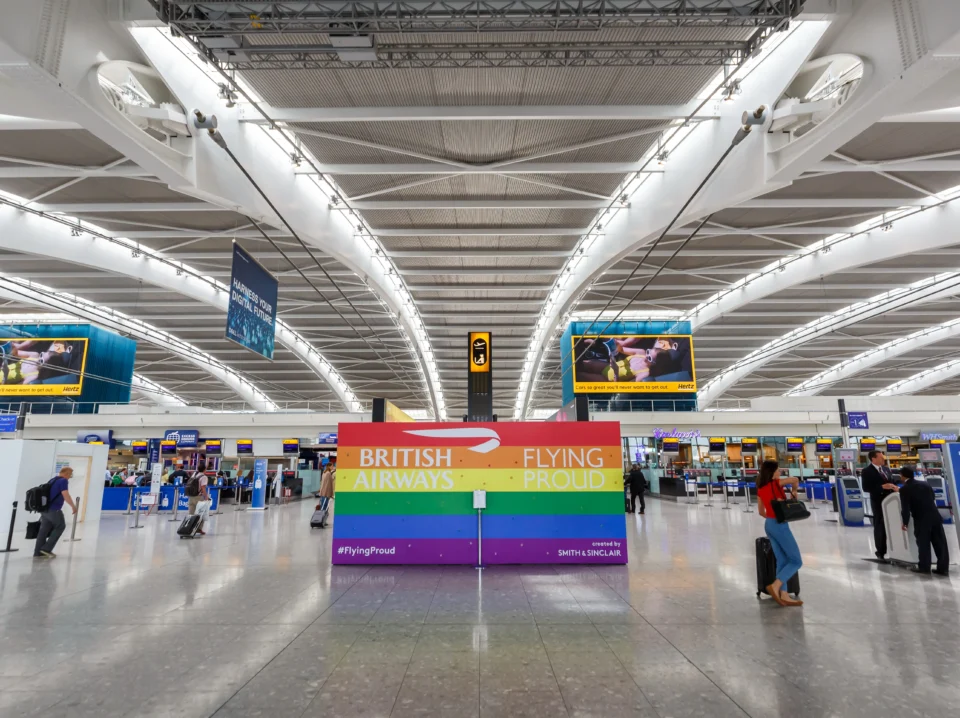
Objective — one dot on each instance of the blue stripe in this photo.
(508, 526)
(557, 526)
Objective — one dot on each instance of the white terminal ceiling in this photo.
(490, 177)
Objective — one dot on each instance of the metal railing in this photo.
(629, 405)
(223, 407)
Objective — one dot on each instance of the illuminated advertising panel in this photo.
(42, 367)
(633, 363)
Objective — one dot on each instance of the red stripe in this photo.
(588, 433)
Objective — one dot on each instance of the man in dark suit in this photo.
(877, 482)
(638, 484)
(918, 500)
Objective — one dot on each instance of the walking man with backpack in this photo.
(52, 523)
(196, 490)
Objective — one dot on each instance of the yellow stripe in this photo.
(418, 480)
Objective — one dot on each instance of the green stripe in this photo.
(461, 502)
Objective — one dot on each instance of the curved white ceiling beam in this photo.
(30, 232)
(911, 230)
(22, 290)
(931, 289)
(156, 393)
(923, 380)
(759, 166)
(304, 202)
(874, 356)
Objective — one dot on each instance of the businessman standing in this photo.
(918, 500)
(878, 483)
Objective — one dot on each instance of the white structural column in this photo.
(931, 289)
(156, 393)
(923, 380)
(29, 233)
(875, 356)
(22, 290)
(764, 162)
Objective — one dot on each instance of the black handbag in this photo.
(787, 510)
(33, 529)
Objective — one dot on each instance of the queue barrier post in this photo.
(13, 519)
(709, 503)
(73, 528)
(808, 488)
(176, 504)
(136, 524)
(726, 496)
(129, 503)
(746, 490)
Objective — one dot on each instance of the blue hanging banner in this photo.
(252, 312)
(259, 497)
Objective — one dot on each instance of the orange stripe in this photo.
(504, 457)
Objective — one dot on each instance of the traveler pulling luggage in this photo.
(767, 569)
(319, 518)
(328, 485)
(190, 526)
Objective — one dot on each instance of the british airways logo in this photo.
(484, 447)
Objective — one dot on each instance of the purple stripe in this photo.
(601, 550)
(433, 551)
(464, 551)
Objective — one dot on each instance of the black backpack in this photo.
(193, 486)
(38, 498)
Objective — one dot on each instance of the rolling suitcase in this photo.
(190, 526)
(767, 569)
(319, 518)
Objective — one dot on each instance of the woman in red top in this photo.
(770, 488)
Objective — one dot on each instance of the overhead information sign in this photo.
(252, 311)
(479, 352)
(633, 364)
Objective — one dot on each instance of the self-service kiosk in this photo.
(901, 545)
(939, 486)
(850, 501)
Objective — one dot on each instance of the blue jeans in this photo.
(785, 549)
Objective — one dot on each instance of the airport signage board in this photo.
(252, 309)
(183, 438)
(480, 352)
(8, 423)
(633, 364)
(554, 493)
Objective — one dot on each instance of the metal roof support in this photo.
(156, 393)
(923, 380)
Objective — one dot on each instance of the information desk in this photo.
(117, 498)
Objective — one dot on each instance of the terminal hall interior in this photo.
(479, 358)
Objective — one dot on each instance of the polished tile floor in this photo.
(253, 621)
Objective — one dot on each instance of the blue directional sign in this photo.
(858, 420)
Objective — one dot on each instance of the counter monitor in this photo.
(168, 448)
(291, 446)
(718, 445)
(213, 447)
(748, 446)
(795, 445)
(867, 444)
(894, 446)
(670, 445)
(244, 446)
(824, 446)
(138, 447)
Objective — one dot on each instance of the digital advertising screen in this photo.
(633, 363)
(244, 446)
(670, 446)
(894, 446)
(795, 445)
(867, 444)
(213, 447)
(824, 446)
(718, 445)
(42, 367)
(252, 311)
(168, 448)
(291, 446)
(748, 446)
(139, 448)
